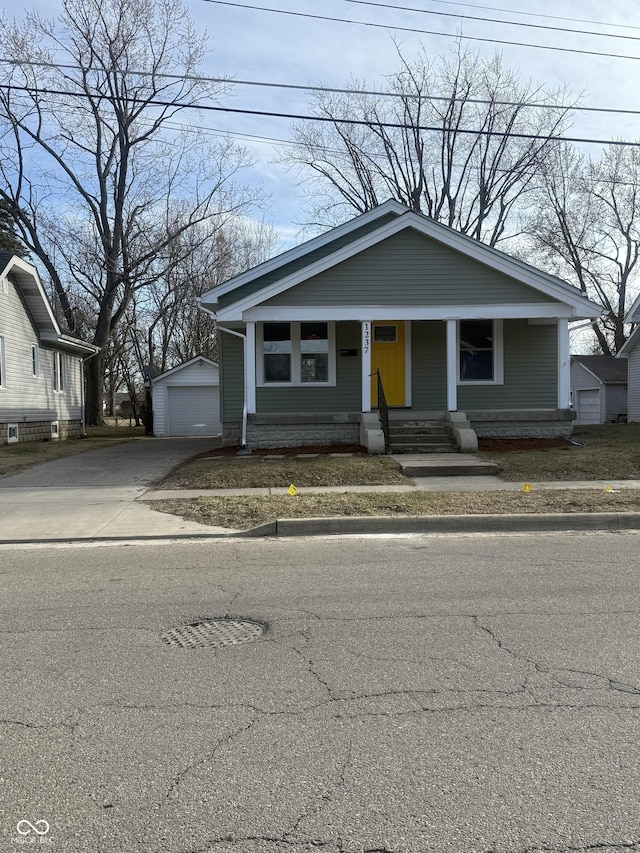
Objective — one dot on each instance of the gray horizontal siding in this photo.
(231, 377)
(428, 365)
(408, 269)
(26, 397)
(530, 372)
(299, 263)
(634, 384)
(344, 397)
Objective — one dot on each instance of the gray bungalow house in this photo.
(41, 367)
(459, 332)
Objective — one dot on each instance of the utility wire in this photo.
(535, 14)
(150, 102)
(424, 32)
(459, 16)
(328, 89)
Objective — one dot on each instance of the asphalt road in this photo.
(415, 694)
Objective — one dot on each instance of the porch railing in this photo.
(383, 411)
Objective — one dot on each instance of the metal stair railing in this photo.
(383, 411)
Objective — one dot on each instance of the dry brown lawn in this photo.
(241, 513)
(249, 472)
(610, 452)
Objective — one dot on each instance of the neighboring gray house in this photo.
(186, 399)
(598, 389)
(631, 353)
(457, 330)
(41, 368)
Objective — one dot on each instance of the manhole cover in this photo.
(212, 632)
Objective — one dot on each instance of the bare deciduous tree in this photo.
(464, 158)
(90, 163)
(586, 228)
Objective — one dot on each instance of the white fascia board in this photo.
(69, 343)
(629, 344)
(24, 269)
(391, 206)
(180, 367)
(407, 312)
(633, 314)
(465, 245)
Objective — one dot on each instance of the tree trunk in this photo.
(94, 375)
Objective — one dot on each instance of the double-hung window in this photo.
(480, 352)
(296, 353)
(58, 372)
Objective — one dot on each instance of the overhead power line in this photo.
(397, 28)
(327, 89)
(152, 102)
(485, 20)
(535, 14)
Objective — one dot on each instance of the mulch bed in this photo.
(503, 445)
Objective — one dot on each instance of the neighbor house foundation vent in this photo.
(207, 633)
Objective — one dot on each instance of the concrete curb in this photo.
(386, 525)
(522, 523)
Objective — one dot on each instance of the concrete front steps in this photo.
(444, 465)
(419, 432)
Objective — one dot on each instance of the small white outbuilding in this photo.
(186, 399)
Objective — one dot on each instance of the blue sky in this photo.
(248, 44)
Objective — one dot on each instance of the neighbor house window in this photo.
(58, 372)
(35, 360)
(3, 376)
(296, 353)
(480, 351)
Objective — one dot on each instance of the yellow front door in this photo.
(387, 356)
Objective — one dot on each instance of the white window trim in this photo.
(296, 364)
(60, 386)
(3, 365)
(498, 358)
(35, 361)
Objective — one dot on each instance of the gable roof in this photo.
(383, 222)
(26, 277)
(198, 358)
(606, 368)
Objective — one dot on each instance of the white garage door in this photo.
(193, 410)
(588, 406)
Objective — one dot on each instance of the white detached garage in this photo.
(186, 399)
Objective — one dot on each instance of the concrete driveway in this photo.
(94, 493)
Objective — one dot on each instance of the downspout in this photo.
(244, 451)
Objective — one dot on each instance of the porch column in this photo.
(366, 365)
(452, 365)
(250, 368)
(564, 359)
